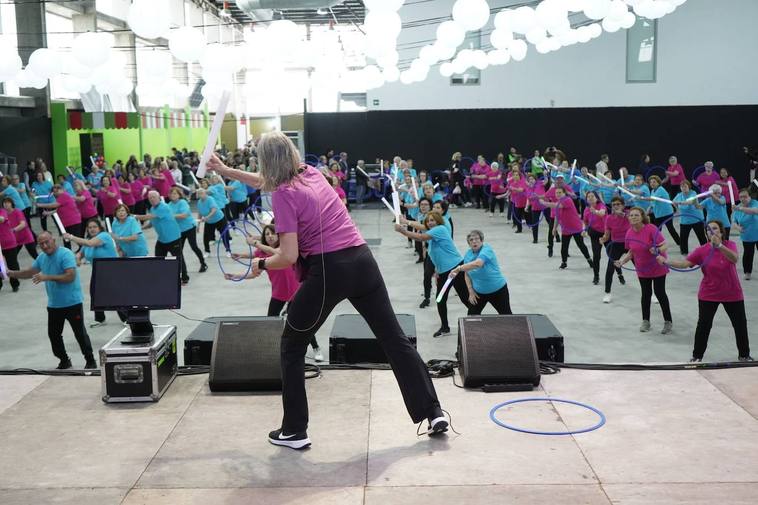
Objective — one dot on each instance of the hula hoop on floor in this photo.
(500, 423)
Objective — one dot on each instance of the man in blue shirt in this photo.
(56, 267)
(169, 235)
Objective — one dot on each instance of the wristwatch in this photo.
(262, 264)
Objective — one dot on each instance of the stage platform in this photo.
(671, 437)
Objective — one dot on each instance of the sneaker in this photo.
(668, 327)
(747, 277)
(491, 215)
(696, 360)
(745, 359)
(549, 252)
(655, 301)
(607, 298)
(596, 280)
(622, 280)
(534, 241)
(420, 260)
(317, 354)
(90, 365)
(206, 254)
(294, 441)
(467, 204)
(645, 326)
(589, 262)
(228, 254)
(442, 331)
(424, 304)
(563, 265)
(203, 268)
(14, 289)
(64, 364)
(453, 206)
(96, 324)
(437, 426)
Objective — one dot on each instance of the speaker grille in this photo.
(246, 355)
(497, 350)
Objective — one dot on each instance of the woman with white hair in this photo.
(315, 231)
(715, 208)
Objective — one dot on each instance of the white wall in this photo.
(706, 56)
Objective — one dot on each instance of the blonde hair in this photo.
(278, 159)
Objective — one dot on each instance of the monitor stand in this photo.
(142, 328)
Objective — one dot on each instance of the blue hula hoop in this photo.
(695, 173)
(500, 423)
(226, 232)
(655, 167)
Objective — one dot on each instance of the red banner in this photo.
(74, 120)
(120, 119)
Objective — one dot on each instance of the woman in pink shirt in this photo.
(707, 178)
(594, 219)
(140, 197)
(84, 202)
(9, 246)
(479, 179)
(108, 196)
(518, 189)
(335, 182)
(126, 193)
(645, 243)
(724, 179)
(535, 189)
(497, 188)
(167, 180)
(315, 230)
(674, 175)
(65, 207)
(567, 217)
(20, 228)
(616, 226)
(720, 286)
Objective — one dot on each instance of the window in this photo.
(641, 51)
(472, 76)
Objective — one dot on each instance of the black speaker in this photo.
(245, 355)
(352, 341)
(497, 350)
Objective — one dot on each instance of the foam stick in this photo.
(182, 186)
(92, 159)
(144, 190)
(415, 189)
(396, 205)
(120, 201)
(70, 171)
(392, 183)
(607, 179)
(445, 287)
(385, 202)
(755, 181)
(194, 179)
(572, 172)
(437, 185)
(628, 192)
(3, 266)
(218, 121)
(581, 179)
(362, 171)
(731, 190)
(659, 199)
(108, 225)
(593, 176)
(59, 223)
(37, 197)
(622, 180)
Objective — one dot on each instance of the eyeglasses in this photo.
(618, 204)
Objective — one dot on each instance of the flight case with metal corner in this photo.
(138, 372)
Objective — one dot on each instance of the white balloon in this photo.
(553, 43)
(388, 59)
(405, 77)
(480, 59)
(10, 62)
(378, 46)
(148, 18)
(536, 35)
(92, 49)
(498, 57)
(543, 47)
(383, 22)
(471, 14)
(76, 84)
(28, 79)
(628, 20)
(124, 87)
(501, 38)
(391, 74)
(504, 20)
(550, 13)
(444, 52)
(186, 44)
(428, 55)
(450, 34)
(595, 30)
(610, 25)
(518, 50)
(618, 10)
(584, 34)
(45, 62)
(219, 79)
(446, 69)
(597, 9)
(385, 5)
(373, 76)
(523, 19)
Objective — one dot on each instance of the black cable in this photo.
(192, 319)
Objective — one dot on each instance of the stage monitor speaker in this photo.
(245, 355)
(497, 351)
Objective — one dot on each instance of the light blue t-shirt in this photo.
(107, 250)
(239, 193)
(412, 211)
(488, 278)
(94, 179)
(68, 188)
(164, 223)
(44, 189)
(205, 206)
(688, 213)
(662, 209)
(10, 192)
(442, 249)
(60, 294)
(748, 222)
(606, 194)
(130, 227)
(218, 193)
(23, 194)
(716, 211)
(182, 207)
(643, 204)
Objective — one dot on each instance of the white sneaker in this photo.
(318, 355)
(492, 214)
(655, 301)
(468, 204)
(607, 298)
(747, 277)
(96, 324)
(206, 255)
(228, 254)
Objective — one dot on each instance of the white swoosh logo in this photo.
(283, 437)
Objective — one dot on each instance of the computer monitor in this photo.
(136, 286)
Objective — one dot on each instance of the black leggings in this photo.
(350, 274)
(657, 284)
(237, 209)
(191, 237)
(597, 251)
(11, 262)
(615, 251)
(500, 301)
(275, 307)
(736, 313)
(566, 241)
(669, 226)
(56, 318)
(500, 202)
(42, 219)
(428, 274)
(459, 284)
(209, 233)
(31, 248)
(477, 197)
(518, 218)
(684, 230)
(747, 256)
(175, 249)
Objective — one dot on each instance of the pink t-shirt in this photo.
(136, 187)
(147, 182)
(518, 197)
(7, 238)
(618, 226)
(126, 196)
(568, 217)
(108, 202)
(705, 180)
(86, 208)
(164, 186)
(724, 183)
(284, 283)
(677, 179)
(550, 197)
(639, 243)
(25, 235)
(477, 169)
(594, 221)
(534, 193)
(720, 280)
(495, 181)
(340, 192)
(68, 212)
(296, 206)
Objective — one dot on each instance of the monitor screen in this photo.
(144, 283)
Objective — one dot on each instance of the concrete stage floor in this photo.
(685, 437)
(594, 332)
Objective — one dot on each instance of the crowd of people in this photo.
(104, 211)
